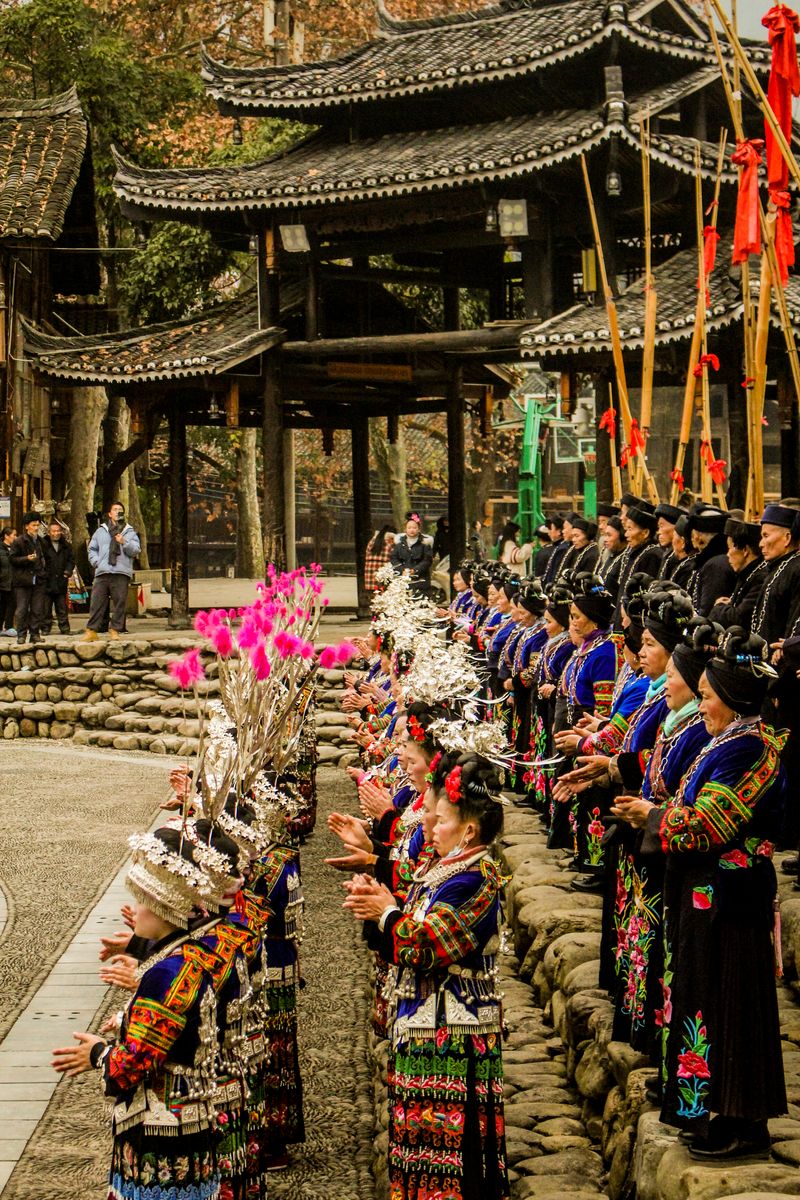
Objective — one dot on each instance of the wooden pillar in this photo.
(163, 494)
(456, 490)
(362, 516)
(179, 522)
(290, 508)
(274, 505)
(537, 272)
(790, 433)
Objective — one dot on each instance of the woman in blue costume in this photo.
(587, 685)
(636, 924)
(520, 672)
(502, 630)
(446, 1133)
(556, 653)
(721, 1048)
(159, 1074)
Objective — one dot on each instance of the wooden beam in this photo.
(456, 341)
(179, 521)
(362, 517)
(456, 452)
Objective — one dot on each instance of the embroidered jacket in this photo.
(236, 941)
(730, 801)
(672, 757)
(555, 655)
(640, 737)
(444, 945)
(529, 649)
(627, 699)
(588, 679)
(161, 1071)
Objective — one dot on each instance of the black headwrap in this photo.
(740, 672)
(559, 599)
(531, 597)
(691, 656)
(592, 599)
(480, 584)
(782, 515)
(667, 615)
(632, 636)
(511, 587)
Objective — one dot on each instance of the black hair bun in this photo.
(703, 635)
(585, 583)
(668, 605)
(744, 649)
(212, 835)
(559, 593)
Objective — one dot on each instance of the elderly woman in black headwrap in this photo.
(721, 1049)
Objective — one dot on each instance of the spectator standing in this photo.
(510, 553)
(478, 546)
(378, 553)
(6, 586)
(413, 555)
(27, 576)
(441, 539)
(59, 564)
(113, 547)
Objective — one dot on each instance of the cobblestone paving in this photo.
(68, 1153)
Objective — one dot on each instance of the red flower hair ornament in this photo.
(437, 758)
(452, 785)
(415, 730)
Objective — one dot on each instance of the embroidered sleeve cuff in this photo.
(97, 1053)
(384, 917)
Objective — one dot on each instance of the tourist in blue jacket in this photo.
(114, 546)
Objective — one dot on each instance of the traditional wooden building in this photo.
(47, 223)
(446, 152)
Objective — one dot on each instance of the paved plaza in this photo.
(68, 811)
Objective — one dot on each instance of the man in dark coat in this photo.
(641, 555)
(58, 567)
(413, 556)
(561, 547)
(27, 576)
(6, 586)
(714, 576)
(744, 555)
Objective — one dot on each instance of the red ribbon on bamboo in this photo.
(710, 240)
(747, 231)
(784, 238)
(716, 467)
(784, 82)
(677, 477)
(637, 437)
(608, 421)
(706, 360)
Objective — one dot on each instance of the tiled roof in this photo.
(325, 169)
(42, 143)
(206, 344)
(583, 329)
(510, 40)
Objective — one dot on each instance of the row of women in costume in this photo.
(428, 890)
(651, 760)
(200, 1068)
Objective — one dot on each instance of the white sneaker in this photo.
(9, 633)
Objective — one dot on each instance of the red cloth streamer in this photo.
(706, 360)
(677, 477)
(625, 454)
(608, 421)
(710, 239)
(637, 437)
(747, 231)
(716, 469)
(784, 238)
(706, 453)
(784, 82)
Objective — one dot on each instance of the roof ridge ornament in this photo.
(615, 10)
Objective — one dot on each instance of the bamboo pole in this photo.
(616, 343)
(616, 475)
(651, 296)
(755, 482)
(705, 408)
(763, 103)
(697, 346)
(767, 230)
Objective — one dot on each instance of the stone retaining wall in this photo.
(556, 936)
(120, 694)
